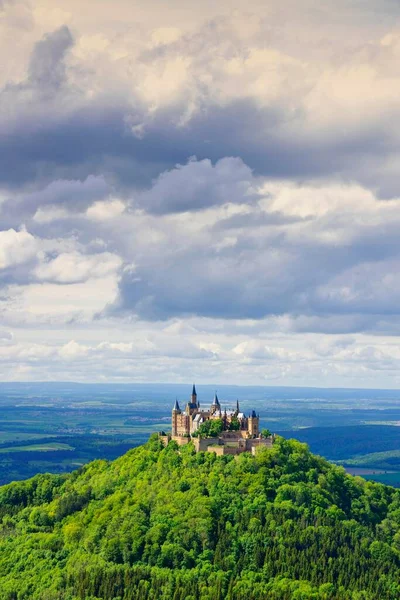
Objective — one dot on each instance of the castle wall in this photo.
(224, 450)
(258, 443)
(218, 450)
(234, 435)
(180, 440)
(202, 444)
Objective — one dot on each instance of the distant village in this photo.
(214, 429)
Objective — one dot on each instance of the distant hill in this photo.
(342, 443)
(169, 524)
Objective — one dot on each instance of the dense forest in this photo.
(169, 524)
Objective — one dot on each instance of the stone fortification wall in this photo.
(180, 440)
(223, 450)
(234, 435)
(202, 444)
(253, 445)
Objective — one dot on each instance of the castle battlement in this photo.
(223, 431)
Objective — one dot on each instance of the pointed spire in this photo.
(176, 405)
(216, 401)
(194, 393)
(237, 406)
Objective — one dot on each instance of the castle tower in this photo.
(253, 424)
(194, 395)
(215, 406)
(225, 419)
(175, 412)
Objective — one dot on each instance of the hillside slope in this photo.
(164, 524)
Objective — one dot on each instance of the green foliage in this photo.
(210, 428)
(169, 524)
(265, 433)
(234, 425)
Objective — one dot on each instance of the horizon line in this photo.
(239, 385)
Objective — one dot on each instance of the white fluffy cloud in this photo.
(16, 247)
(76, 268)
(105, 211)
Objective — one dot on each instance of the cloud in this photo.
(73, 351)
(198, 185)
(36, 304)
(77, 268)
(105, 211)
(16, 247)
(57, 200)
(206, 92)
(46, 68)
(334, 250)
(208, 190)
(256, 349)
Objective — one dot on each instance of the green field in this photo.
(51, 446)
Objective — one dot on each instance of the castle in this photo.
(216, 430)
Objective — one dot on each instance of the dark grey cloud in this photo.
(198, 185)
(95, 140)
(46, 68)
(331, 266)
(258, 218)
(71, 195)
(78, 135)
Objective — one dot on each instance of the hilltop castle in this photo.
(215, 429)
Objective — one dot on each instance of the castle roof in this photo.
(176, 405)
(215, 401)
(194, 393)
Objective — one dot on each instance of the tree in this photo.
(210, 428)
(234, 425)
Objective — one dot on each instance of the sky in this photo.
(200, 192)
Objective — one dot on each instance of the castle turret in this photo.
(175, 412)
(253, 424)
(215, 406)
(194, 395)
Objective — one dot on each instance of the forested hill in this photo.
(168, 524)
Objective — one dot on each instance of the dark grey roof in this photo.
(215, 401)
(194, 393)
(176, 405)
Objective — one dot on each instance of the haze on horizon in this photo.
(200, 191)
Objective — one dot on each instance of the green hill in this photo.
(168, 524)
